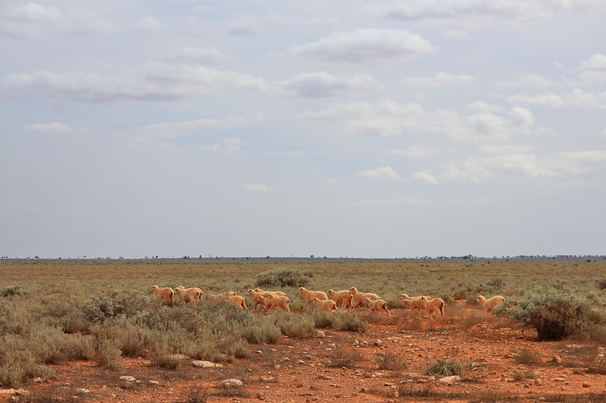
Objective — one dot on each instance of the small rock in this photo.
(205, 364)
(450, 379)
(580, 371)
(378, 343)
(363, 390)
(538, 382)
(586, 385)
(154, 382)
(557, 359)
(37, 380)
(82, 391)
(230, 383)
(301, 362)
(321, 334)
(128, 378)
(266, 379)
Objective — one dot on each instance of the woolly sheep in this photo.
(310, 295)
(359, 297)
(189, 294)
(490, 303)
(165, 293)
(327, 305)
(377, 305)
(341, 297)
(434, 305)
(414, 303)
(273, 302)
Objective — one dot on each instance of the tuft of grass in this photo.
(342, 358)
(390, 362)
(527, 357)
(444, 368)
(12, 291)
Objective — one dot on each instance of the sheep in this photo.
(189, 294)
(255, 295)
(377, 305)
(490, 303)
(414, 303)
(164, 293)
(273, 302)
(277, 293)
(357, 298)
(223, 296)
(434, 305)
(327, 305)
(237, 300)
(341, 297)
(310, 295)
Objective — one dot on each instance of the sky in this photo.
(295, 128)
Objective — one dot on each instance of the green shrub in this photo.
(444, 368)
(261, 331)
(299, 326)
(556, 313)
(282, 277)
(108, 354)
(348, 322)
(390, 362)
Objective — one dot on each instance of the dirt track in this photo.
(295, 370)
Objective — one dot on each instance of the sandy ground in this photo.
(386, 364)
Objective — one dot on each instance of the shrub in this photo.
(109, 355)
(389, 362)
(555, 313)
(282, 277)
(261, 331)
(299, 327)
(13, 290)
(348, 322)
(444, 368)
(343, 359)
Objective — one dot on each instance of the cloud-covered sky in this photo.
(335, 128)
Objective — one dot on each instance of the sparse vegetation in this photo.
(444, 368)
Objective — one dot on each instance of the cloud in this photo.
(55, 127)
(596, 62)
(526, 165)
(150, 25)
(286, 153)
(593, 70)
(258, 188)
(161, 81)
(180, 129)
(34, 20)
(439, 80)
(419, 151)
(407, 201)
(529, 80)
(316, 85)
(381, 173)
(483, 107)
(364, 46)
(575, 99)
(197, 56)
(391, 119)
(426, 177)
(480, 14)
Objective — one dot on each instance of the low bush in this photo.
(390, 362)
(282, 277)
(556, 313)
(444, 368)
(13, 290)
(299, 326)
(342, 358)
(348, 322)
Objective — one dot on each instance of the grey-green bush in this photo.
(282, 277)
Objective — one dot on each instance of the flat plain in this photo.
(50, 302)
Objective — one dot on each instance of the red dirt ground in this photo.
(300, 370)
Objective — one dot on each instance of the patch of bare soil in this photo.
(386, 363)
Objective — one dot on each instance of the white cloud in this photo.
(483, 107)
(365, 46)
(505, 149)
(165, 82)
(286, 153)
(391, 118)
(149, 24)
(258, 188)
(407, 201)
(179, 129)
(426, 177)
(529, 80)
(595, 62)
(55, 127)
(334, 184)
(234, 146)
(575, 99)
(34, 20)
(315, 85)
(197, 56)
(593, 70)
(381, 173)
(563, 165)
(439, 80)
(480, 14)
(419, 151)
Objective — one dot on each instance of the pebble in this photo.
(230, 383)
(586, 385)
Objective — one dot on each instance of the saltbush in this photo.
(556, 313)
(444, 368)
(282, 277)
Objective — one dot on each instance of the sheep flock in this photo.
(271, 301)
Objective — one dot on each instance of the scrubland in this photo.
(103, 311)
